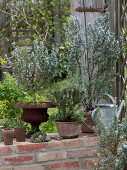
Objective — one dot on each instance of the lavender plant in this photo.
(112, 146)
(32, 67)
(92, 57)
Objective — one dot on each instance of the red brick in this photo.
(30, 167)
(5, 168)
(4, 150)
(72, 143)
(31, 147)
(90, 141)
(18, 160)
(90, 163)
(82, 153)
(63, 165)
(49, 156)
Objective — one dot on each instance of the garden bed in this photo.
(76, 154)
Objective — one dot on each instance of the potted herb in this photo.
(92, 58)
(68, 119)
(8, 131)
(29, 66)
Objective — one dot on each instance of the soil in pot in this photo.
(88, 125)
(68, 130)
(8, 136)
(20, 134)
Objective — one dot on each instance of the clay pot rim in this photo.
(68, 122)
(5, 129)
(36, 105)
(17, 127)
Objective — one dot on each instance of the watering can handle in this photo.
(113, 100)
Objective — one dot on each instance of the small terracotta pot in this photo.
(68, 130)
(8, 136)
(87, 126)
(20, 134)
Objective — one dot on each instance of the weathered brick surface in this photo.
(82, 153)
(5, 168)
(64, 165)
(30, 167)
(51, 156)
(72, 143)
(31, 147)
(54, 155)
(90, 141)
(90, 163)
(4, 150)
(18, 160)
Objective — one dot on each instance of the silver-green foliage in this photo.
(112, 144)
(92, 56)
(33, 67)
(67, 100)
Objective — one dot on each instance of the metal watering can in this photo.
(107, 111)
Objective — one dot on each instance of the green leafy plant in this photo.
(48, 127)
(10, 94)
(1, 135)
(19, 122)
(7, 124)
(67, 100)
(3, 107)
(38, 137)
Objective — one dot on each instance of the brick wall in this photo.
(75, 154)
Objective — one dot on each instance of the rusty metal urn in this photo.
(35, 114)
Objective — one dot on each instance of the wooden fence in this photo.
(118, 10)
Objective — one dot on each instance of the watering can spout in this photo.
(119, 110)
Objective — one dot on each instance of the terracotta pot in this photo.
(20, 134)
(87, 126)
(8, 136)
(35, 114)
(68, 130)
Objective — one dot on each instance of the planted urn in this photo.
(29, 67)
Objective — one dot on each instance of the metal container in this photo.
(107, 111)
